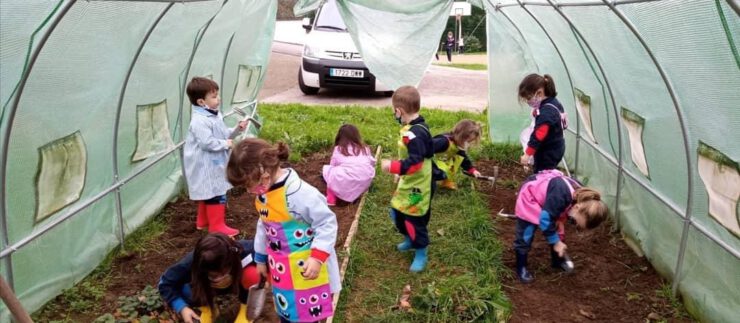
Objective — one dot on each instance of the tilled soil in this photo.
(610, 284)
(131, 273)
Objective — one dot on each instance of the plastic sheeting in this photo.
(397, 38)
(599, 62)
(80, 84)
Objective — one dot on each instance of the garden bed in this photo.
(611, 283)
(131, 273)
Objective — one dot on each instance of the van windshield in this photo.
(329, 17)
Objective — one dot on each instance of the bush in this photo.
(472, 44)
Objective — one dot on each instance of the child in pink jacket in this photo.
(351, 169)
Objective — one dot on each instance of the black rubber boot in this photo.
(521, 269)
(564, 263)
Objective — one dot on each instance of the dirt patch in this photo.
(611, 283)
(131, 273)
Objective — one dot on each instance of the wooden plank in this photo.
(348, 242)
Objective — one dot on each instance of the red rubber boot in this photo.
(216, 223)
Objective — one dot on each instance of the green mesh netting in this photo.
(78, 85)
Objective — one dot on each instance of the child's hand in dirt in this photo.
(560, 248)
(311, 269)
(385, 165)
(476, 174)
(188, 315)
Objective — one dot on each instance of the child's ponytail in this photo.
(550, 86)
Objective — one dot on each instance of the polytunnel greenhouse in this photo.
(94, 112)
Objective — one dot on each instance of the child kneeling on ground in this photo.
(351, 169)
(219, 265)
(547, 199)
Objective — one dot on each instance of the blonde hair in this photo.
(407, 99)
(591, 206)
(465, 129)
(251, 158)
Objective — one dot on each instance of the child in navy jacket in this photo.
(546, 145)
(219, 265)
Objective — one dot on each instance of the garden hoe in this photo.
(256, 299)
(241, 110)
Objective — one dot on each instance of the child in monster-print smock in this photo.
(296, 232)
(411, 203)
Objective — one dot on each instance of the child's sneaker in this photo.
(521, 269)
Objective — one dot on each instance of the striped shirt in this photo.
(206, 154)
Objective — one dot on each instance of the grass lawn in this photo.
(474, 67)
(462, 279)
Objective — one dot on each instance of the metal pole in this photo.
(8, 131)
(575, 4)
(734, 5)
(570, 82)
(117, 123)
(223, 66)
(620, 159)
(684, 134)
(180, 119)
(79, 207)
(578, 121)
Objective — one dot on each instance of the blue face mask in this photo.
(398, 119)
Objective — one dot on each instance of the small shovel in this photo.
(256, 299)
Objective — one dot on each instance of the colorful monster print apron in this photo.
(449, 161)
(414, 192)
(288, 249)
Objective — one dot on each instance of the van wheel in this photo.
(308, 90)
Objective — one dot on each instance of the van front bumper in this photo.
(321, 67)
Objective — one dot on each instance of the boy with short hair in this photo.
(412, 200)
(206, 154)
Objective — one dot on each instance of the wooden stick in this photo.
(15, 307)
(348, 243)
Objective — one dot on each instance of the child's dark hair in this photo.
(533, 82)
(251, 158)
(465, 129)
(214, 252)
(199, 87)
(348, 137)
(592, 206)
(407, 99)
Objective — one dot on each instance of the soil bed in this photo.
(130, 274)
(611, 283)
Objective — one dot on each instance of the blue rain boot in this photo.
(420, 260)
(405, 245)
(392, 215)
(521, 269)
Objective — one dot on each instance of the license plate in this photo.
(340, 72)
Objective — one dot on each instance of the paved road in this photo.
(442, 87)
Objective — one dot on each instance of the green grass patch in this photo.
(307, 129)
(466, 66)
(462, 280)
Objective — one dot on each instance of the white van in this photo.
(330, 58)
